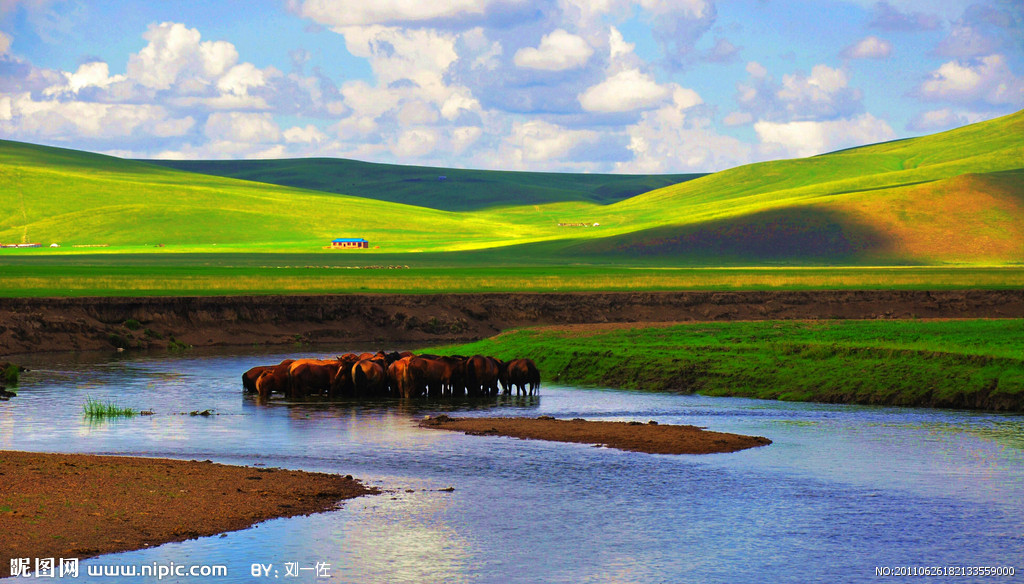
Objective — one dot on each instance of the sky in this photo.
(623, 86)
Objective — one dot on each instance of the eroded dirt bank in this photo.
(69, 324)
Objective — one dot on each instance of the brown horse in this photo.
(481, 375)
(369, 377)
(274, 380)
(522, 373)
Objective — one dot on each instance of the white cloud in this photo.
(307, 135)
(464, 137)
(241, 78)
(807, 138)
(414, 143)
(757, 70)
(175, 56)
(870, 47)
(558, 51)
(672, 139)
(417, 112)
(242, 127)
(93, 74)
(988, 79)
(347, 13)
(394, 54)
(540, 141)
(5, 43)
(625, 91)
(25, 118)
(823, 94)
(935, 120)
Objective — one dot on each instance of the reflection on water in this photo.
(840, 491)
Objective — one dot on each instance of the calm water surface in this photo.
(841, 491)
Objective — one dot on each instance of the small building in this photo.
(349, 243)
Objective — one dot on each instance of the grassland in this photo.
(228, 274)
(945, 209)
(953, 363)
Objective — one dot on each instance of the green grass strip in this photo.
(972, 364)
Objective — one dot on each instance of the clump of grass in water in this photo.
(95, 409)
(10, 374)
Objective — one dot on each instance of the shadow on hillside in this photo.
(792, 235)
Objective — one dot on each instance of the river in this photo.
(843, 493)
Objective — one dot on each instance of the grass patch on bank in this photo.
(973, 364)
(95, 409)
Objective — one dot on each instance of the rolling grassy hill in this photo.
(446, 189)
(955, 198)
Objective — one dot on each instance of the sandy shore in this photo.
(78, 506)
(634, 436)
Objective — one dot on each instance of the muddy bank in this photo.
(69, 324)
(651, 437)
(79, 506)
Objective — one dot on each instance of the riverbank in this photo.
(79, 506)
(652, 438)
(32, 325)
(963, 364)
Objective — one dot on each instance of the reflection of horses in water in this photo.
(404, 375)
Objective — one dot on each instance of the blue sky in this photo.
(646, 86)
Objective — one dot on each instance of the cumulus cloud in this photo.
(824, 94)
(414, 143)
(175, 56)
(807, 138)
(537, 141)
(679, 137)
(243, 127)
(26, 118)
(305, 135)
(624, 91)
(93, 74)
(870, 47)
(5, 43)
(557, 51)
(340, 13)
(987, 80)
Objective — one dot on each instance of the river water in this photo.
(842, 492)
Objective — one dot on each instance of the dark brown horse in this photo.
(522, 373)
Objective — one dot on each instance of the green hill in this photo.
(947, 199)
(954, 197)
(446, 189)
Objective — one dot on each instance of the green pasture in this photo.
(952, 363)
(42, 273)
(954, 198)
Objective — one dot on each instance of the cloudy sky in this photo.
(644, 86)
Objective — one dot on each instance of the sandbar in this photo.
(649, 437)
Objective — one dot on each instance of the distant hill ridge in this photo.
(447, 189)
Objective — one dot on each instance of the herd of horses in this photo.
(395, 374)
